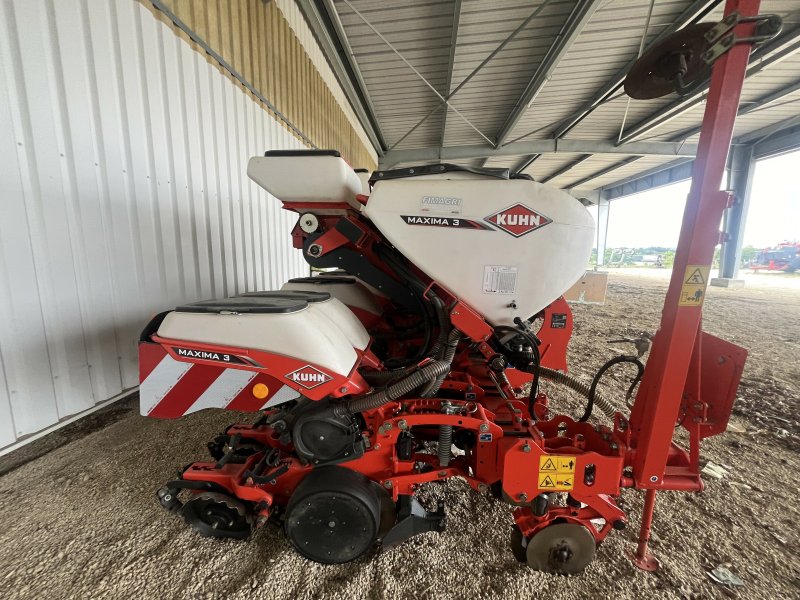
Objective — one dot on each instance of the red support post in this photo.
(659, 399)
(642, 557)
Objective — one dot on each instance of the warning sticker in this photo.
(556, 472)
(693, 290)
(499, 279)
(548, 463)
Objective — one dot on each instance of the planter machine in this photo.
(409, 363)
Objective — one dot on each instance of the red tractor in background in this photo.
(783, 257)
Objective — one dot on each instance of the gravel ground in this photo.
(82, 521)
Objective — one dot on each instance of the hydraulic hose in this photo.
(614, 361)
(582, 388)
(425, 375)
(381, 378)
(449, 353)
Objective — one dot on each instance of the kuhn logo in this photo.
(518, 220)
(309, 377)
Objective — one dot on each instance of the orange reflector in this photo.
(260, 391)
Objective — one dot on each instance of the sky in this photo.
(653, 218)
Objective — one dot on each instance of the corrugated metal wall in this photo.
(260, 40)
(123, 192)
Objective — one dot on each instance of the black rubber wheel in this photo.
(217, 515)
(333, 516)
(565, 548)
(518, 545)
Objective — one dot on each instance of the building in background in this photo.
(124, 144)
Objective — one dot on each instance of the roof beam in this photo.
(749, 107)
(474, 72)
(394, 157)
(677, 170)
(743, 110)
(695, 12)
(777, 138)
(329, 34)
(581, 183)
(761, 59)
(524, 163)
(565, 169)
(786, 141)
(572, 27)
(451, 61)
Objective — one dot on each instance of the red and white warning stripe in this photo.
(171, 388)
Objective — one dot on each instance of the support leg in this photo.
(642, 557)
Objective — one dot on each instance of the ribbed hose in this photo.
(449, 354)
(581, 387)
(381, 378)
(424, 375)
(438, 347)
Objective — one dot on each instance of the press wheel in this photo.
(333, 516)
(564, 548)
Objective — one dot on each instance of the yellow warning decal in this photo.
(556, 472)
(548, 463)
(693, 290)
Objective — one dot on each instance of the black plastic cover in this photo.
(437, 170)
(246, 305)
(324, 279)
(291, 295)
(302, 153)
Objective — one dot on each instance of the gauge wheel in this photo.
(564, 548)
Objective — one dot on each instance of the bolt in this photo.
(387, 426)
(482, 488)
(698, 406)
(315, 249)
(613, 446)
(526, 447)
(402, 424)
(343, 389)
(484, 427)
(654, 478)
(387, 484)
(523, 497)
(442, 473)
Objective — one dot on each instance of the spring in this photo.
(445, 444)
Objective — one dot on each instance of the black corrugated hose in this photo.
(426, 374)
(582, 388)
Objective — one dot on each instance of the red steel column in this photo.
(658, 401)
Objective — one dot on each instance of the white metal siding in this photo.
(122, 193)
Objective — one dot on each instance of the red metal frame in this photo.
(691, 379)
(659, 400)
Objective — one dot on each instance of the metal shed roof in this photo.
(536, 86)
